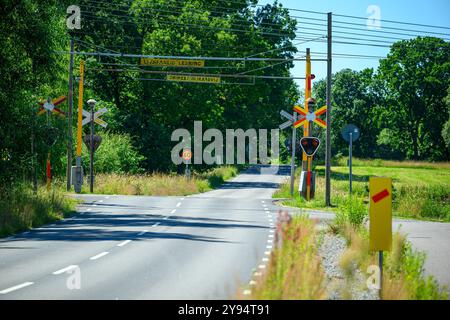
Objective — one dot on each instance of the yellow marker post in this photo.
(380, 214)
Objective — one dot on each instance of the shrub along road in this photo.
(140, 247)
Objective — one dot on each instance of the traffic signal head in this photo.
(310, 145)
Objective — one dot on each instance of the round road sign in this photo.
(350, 128)
(187, 154)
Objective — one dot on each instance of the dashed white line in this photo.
(142, 232)
(265, 259)
(247, 292)
(106, 197)
(182, 199)
(124, 243)
(173, 211)
(262, 266)
(20, 286)
(100, 201)
(269, 247)
(64, 270)
(156, 224)
(270, 235)
(267, 253)
(252, 282)
(269, 241)
(272, 231)
(89, 209)
(178, 204)
(262, 201)
(99, 255)
(257, 274)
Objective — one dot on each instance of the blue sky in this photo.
(431, 12)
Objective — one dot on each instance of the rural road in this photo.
(139, 247)
(196, 247)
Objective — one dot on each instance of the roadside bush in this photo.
(351, 210)
(116, 154)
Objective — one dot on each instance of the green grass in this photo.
(21, 210)
(420, 190)
(161, 184)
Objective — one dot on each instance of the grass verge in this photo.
(158, 184)
(21, 210)
(420, 190)
(403, 267)
(295, 270)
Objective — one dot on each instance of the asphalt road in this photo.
(138, 247)
(197, 247)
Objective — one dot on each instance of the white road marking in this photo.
(264, 205)
(89, 209)
(252, 282)
(26, 232)
(173, 211)
(156, 224)
(262, 201)
(124, 243)
(178, 204)
(142, 232)
(257, 274)
(64, 269)
(100, 201)
(270, 235)
(262, 266)
(247, 292)
(106, 197)
(99, 255)
(20, 286)
(267, 253)
(269, 247)
(182, 199)
(94, 205)
(269, 241)
(265, 259)
(272, 231)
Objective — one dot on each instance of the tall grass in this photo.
(161, 184)
(403, 267)
(20, 209)
(295, 270)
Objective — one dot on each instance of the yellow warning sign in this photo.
(202, 79)
(172, 63)
(380, 213)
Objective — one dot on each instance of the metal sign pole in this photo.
(294, 115)
(380, 264)
(69, 131)
(350, 156)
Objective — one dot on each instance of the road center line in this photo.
(124, 243)
(64, 270)
(99, 255)
(156, 224)
(178, 204)
(182, 199)
(142, 232)
(173, 211)
(20, 286)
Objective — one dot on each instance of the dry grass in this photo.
(295, 270)
(403, 277)
(159, 184)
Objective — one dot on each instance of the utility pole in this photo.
(308, 89)
(91, 103)
(33, 152)
(328, 132)
(293, 146)
(69, 132)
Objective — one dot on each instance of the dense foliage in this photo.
(401, 108)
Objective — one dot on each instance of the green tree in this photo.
(416, 73)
